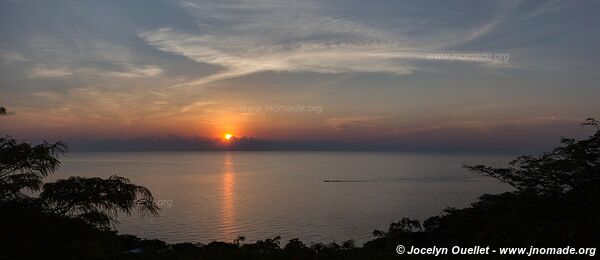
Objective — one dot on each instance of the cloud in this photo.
(547, 7)
(137, 72)
(44, 71)
(194, 106)
(87, 57)
(129, 72)
(256, 37)
(47, 95)
(123, 63)
(239, 60)
(354, 123)
(11, 57)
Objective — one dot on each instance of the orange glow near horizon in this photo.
(227, 136)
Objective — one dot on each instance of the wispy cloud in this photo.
(11, 57)
(354, 123)
(122, 62)
(45, 71)
(137, 72)
(90, 57)
(258, 37)
(237, 59)
(547, 7)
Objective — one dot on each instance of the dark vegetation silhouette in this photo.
(77, 204)
(555, 204)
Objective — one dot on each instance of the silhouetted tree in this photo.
(23, 166)
(575, 165)
(556, 203)
(97, 201)
(94, 200)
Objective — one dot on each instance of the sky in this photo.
(410, 73)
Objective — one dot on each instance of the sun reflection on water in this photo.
(228, 214)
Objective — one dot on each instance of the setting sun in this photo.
(227, 136)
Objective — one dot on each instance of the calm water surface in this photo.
(221, 195)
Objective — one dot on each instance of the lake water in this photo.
(210, 196)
